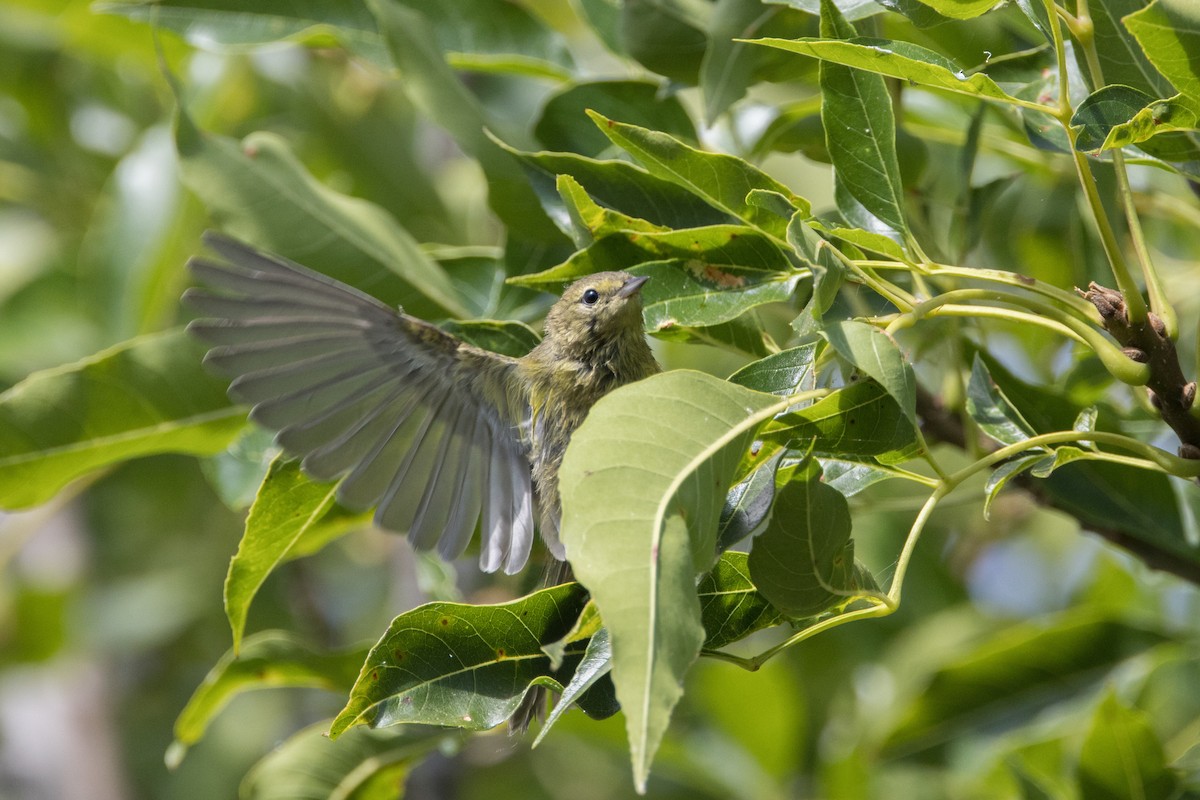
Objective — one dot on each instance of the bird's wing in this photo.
(414, 421)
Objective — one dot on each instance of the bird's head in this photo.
(598, 308)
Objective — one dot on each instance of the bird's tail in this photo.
(533, 706)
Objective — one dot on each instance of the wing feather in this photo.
(410, 419)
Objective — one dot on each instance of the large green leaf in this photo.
(1169, 33)
(441, 96)
(642, 487)
(363, 764)
(1121, 58)
(803, 563)
(288, 506)
(731, 606)
(148, 395)
(1122, 756)
(260, 192)
(464, 666)
(269, 659)
(234, 25)
(719, 179)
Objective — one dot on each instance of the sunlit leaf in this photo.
(642, 487)
(895, 59)
(1169, 33)
(288, 505)
(782, 373)
(861, 419)
(148, 395)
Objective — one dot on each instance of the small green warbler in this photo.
(438, 435)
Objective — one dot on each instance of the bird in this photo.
(439, 436)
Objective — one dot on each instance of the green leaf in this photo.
(665, 36)
(960, 9)
(495, 36)
(719, 179)
(873, 351)
(748, 502)
(1004, 473)
(782, 373)
(642, 485)
(717, 246)
(622, 186)
(731, 606)
(362, 765)
(507, 337)
(259, 192)
(694, 294)
(146, 396)
(861, 419)
(1017, 669)
(287, 506)
(231, 25)
(828, 273)
(730, 67)
(1121, 58)
(852, 10)
(595, 664)
(1169, 33)
(1174, 114)
(992, 411)
(1122, 756)
(860, 130)
(435, 89)
(590, 220)
(803, 563)
(267, 660)
(1116, 116)
(463, 666)
(895, 59)
(564, 124)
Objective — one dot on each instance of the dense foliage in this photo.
(923, 274)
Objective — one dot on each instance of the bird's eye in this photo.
(590, 297)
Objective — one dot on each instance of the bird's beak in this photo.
(631, 287)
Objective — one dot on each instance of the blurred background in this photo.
(1013, 631)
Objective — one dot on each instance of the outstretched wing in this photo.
(414, 421)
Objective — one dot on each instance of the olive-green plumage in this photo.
(437, 434)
